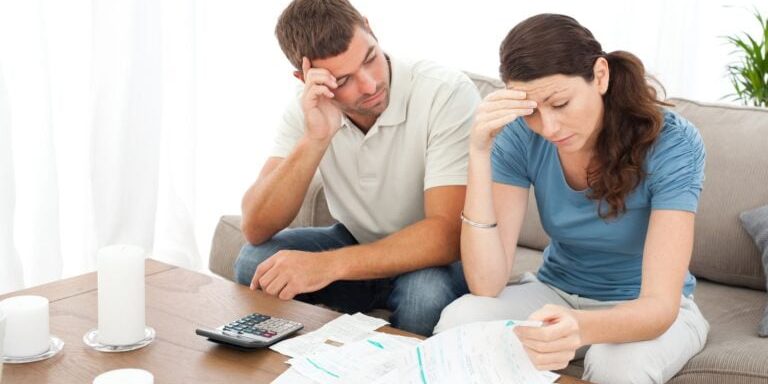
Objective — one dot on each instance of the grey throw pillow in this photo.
(756, 223)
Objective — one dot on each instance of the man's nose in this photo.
(366, 84)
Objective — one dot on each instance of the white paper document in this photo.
(344, 329)
(362, 361)
(486, 352)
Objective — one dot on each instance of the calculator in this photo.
(253, 331)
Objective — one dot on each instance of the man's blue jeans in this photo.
(415, 298)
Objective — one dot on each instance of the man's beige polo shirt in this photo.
(375, 182)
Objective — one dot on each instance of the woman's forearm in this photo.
(645, 318)
(482, 252)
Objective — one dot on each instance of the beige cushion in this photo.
(734, 353)
(226, 244)
(314, 211)
(736, 179)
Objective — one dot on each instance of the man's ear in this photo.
(602, 74)
(299, 75)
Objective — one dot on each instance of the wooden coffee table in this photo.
(178, 301)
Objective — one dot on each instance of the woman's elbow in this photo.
(484, 289)
(663, 320)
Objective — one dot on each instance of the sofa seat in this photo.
(733, 354)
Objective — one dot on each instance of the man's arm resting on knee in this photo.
(274, 200)
(433, 241)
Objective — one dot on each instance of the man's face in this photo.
(362, 75)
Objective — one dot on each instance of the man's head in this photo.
(334, 36)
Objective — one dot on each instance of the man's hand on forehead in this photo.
(318, 76)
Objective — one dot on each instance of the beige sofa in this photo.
(731, 289)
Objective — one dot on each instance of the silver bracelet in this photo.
(476, 225)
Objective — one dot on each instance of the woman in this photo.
(617, 180)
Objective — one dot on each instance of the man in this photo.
(390, 141)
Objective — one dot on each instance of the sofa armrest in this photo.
(226, 244)
(228, 239)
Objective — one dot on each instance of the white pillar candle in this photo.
(27, 331)
(121, 294)
(125, 376)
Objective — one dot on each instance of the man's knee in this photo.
(430, 287)
(249, 258)
(420, 296)
(622, 363)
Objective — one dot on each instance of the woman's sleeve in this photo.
(509, 155)
(676, 168)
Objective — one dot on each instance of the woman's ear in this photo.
(602, 74)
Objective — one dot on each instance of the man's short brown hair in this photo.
(317, 29)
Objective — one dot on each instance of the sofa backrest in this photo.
(736, 179)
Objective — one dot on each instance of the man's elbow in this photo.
(254, 234)
(447, 236)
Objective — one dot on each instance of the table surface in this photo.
(177, 302)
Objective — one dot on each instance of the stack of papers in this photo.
(348, 350)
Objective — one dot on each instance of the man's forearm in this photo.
(273, 201)
(426, 243)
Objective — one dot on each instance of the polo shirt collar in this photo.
(398, 94)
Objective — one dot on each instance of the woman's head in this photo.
(588, 101)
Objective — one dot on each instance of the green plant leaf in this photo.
(749, 73)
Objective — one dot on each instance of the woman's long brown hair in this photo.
(550, 44)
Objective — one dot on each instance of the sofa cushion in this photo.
(736, 176)
(226, 244)
(756, 223)
(733, 353)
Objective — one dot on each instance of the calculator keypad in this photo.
(260, 325)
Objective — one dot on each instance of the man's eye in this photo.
(341, 83)
(371, 59)
(560, 105)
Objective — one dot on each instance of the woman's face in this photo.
(569, 109)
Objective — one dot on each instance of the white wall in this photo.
(224, 85)
(679, 41)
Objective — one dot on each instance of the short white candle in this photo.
(125, 376)
(27, 331)
(121, 294)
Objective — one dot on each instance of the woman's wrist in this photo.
(480, 152)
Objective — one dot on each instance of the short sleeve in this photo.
(447, 149)
(509, 155)
(289, 130)
(676, 166)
